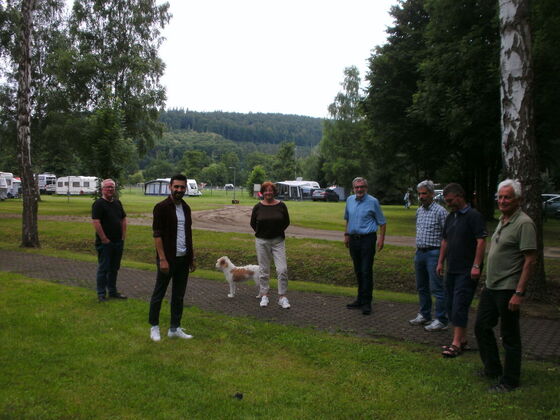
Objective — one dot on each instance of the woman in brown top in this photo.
(269, 220)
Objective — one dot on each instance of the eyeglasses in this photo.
(356, 187)
(109, 188)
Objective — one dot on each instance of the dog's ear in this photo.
(223, 262)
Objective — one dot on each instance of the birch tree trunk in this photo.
(30, 235)
(518, 136)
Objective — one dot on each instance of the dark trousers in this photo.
(362, 251)
(493, 305)
(459, 289)
(179, 272)
(109, 261)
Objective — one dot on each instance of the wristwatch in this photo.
(519, 293)
(476, 266)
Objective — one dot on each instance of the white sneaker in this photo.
(154, 333)
(179, 333)
(436, 325)
(264, 301)
(283, 302)
(419, 320)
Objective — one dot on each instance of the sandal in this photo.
(452, 351)
(464, 346)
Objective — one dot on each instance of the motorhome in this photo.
(6, 180)
(76, 185)
(47, 183)
(296, 190)
(160, 186)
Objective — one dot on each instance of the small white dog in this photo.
(236, 274)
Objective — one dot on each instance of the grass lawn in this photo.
(65, 356)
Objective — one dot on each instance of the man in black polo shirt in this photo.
(109, 222)
(462, 246)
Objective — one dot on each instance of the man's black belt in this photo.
(357, 236)
(428, 248)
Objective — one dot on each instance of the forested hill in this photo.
(253, 128)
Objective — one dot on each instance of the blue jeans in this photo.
(428, 283)
(109, 261)
(362, 251)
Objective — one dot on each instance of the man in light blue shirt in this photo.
(364, 218)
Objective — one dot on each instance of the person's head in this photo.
(425, 192)
(360, 186)
(454, 196)
(178, 186)
(509, 196)
(108, 189)
(268, 190)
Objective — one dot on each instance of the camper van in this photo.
(76, 185)
(6, 180)
(47, 183)
(160, 186)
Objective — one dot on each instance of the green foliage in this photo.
(214, 174)
(192, 163)
(285, 164)
(159, 168)
(106, 150)
(253, 127)
(345, 135)
(257, 176)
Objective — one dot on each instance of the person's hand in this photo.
(105, 241)
(346, 240)
(439, 269)
(380, 243)
(515, 303)
(164, 266)
(475, 273)
(192, 267)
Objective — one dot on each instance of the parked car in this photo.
(228, 187)
(323, 194)
(551, 207)
(438, 197)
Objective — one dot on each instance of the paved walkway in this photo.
(541, 337)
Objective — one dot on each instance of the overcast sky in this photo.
(285, 56)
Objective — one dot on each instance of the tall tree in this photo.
(257, 176)
(345, 134)
(518, 139)
(30, 232)
(285, 164)
(117, 54)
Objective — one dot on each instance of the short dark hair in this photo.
(178, 177)
(267, 184)
(454, 188)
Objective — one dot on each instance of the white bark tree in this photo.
(30, 234)
(518, 137)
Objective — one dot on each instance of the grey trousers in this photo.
(266, 250)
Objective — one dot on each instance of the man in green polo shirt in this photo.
(511, 261)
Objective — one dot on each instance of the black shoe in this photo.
(101, 299)
(117, 296)
(501, 389)
(354, 305)
(366, 309)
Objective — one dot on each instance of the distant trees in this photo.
(257, 176)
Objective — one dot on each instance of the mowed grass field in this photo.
(63, 356)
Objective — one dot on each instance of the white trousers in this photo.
(266, 250)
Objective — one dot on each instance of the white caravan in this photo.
(6, 180)
(47, 183)
(76, 185)
(160, 186)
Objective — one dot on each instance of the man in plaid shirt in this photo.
(430, 218)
